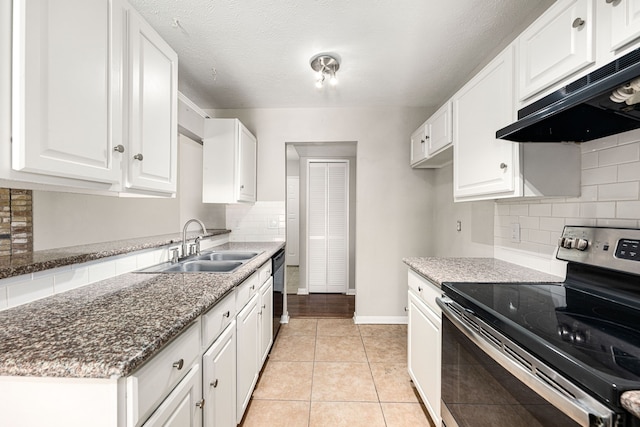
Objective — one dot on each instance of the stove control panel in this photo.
(614, 248)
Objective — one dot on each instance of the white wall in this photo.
(476, 236)
(67, 219)
(393, 213)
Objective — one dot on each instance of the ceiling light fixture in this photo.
(325, 65)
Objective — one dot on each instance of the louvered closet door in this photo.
(328, 227)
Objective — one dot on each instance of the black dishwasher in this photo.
(278, 289)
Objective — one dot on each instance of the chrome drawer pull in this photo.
(200, 404)
(226, 314)
(214, 384)
(179, 364)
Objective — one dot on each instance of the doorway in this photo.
(299, 156)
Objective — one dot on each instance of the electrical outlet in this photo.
(458, 225)
(515, 232)
(273, 223)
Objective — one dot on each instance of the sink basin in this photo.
(198, 266)
(226, 256)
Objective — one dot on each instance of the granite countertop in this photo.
(44, 260)
(440, 270)
(110, 328)
(631, 402)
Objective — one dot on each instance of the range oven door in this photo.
(487, 380)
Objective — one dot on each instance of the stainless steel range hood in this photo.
(599, 104)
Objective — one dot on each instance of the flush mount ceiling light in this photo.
(325, 65)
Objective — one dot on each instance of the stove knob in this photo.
(565, 333)
(568, 243)
(579, 337)
(581, 244)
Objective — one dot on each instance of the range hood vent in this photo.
(602, 103)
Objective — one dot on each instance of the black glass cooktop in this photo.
(590, 338)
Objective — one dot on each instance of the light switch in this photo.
(515, 232)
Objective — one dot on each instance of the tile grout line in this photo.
(384, 419)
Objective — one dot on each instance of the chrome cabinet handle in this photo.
(264, 306)
(200, 404)
(226, 314)
(138, 157)
(119, 148)
(214, 384)
(179, 364)
(241, 187)
(613, 2)
(578, 23)
(419, 288)
(503, 165)
(406, 309)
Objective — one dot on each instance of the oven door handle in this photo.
(571, 400)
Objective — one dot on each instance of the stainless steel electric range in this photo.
(550, 354)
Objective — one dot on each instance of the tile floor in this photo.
(331, 372)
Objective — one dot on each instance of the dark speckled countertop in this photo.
(45, 260)
(110, 328)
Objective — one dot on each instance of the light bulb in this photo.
(333, 80)
(319, 83)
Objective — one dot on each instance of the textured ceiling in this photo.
(394, 52)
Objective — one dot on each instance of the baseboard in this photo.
(284, 318)
(380, 320)
(351, 291)
(303, 291)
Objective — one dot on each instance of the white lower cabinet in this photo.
(425, 343)
(247, 324)
(219, 380)
(183, 407)
(266, 319)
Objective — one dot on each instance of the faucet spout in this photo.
(185, 251)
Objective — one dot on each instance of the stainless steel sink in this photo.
(226, 256)
(199, 266)
(208, 262)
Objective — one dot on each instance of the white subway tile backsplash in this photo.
(619, 155)
(126, 264)
(598, 210)
(632, 136)
(620, 223)
(565, 210)
(502, 209)
(552, 224)
(101, 271)
(529, 222)
(600, 144)
(619, 191)
(589, 160)
(587, 222)
(540, 236)
(22, 293)
(541, 209)
(629, 172)
(262, 221)
(602, 175)
(519, 210)
(67, 280)
(629, 210)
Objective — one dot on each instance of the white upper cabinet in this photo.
(625, 22)
(229, 162)
(555, 46)
(66, 112)
(484, 165)
(430, 141)
(151, 157)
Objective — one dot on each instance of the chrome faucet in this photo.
(185, 248)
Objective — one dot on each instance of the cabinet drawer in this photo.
(265, 272)
(150, 384)
(215, 320)
(246, 290)
(427, 291)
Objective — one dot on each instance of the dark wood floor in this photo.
(321, 305)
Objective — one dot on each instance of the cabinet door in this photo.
(247, 166)
(555, 46)
(183, 407)
(424, 354)
(418, 150)
(440, 130)
(483, 166)
(66, 88)
(247, 354)
(266, 319)
(153, 129)
(625, 22)
(219, 380)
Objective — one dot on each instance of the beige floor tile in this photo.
(393, 383)
(276, 413)
(299, 327)
(346, 414)
(405, 414)
(340, 349)
(337, 327)
(292, 348)
(343, 382)
(399, 331)
(385, 349)
(285, 381)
